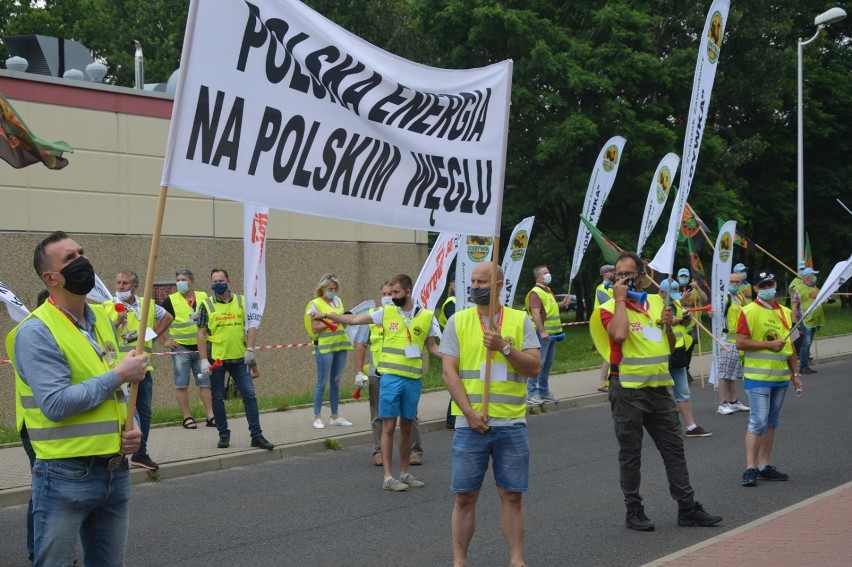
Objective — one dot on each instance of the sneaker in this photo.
(409, 480)
(548, 397)
(725, 409)
(696, 516)
(145, 462)
(342, 421)
(318, 424)
(750, 477)
(534, 400)
(224, 442)
(739, 406)
(637, 520)
(766, 473)
(261, 443)
(394, 485)
(807, 370)
(698, 431)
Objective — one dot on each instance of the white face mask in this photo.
(124, 295)
(387, 300)
(546, 278)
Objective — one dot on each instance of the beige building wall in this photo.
(106, 198)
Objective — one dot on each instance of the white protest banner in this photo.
(280, 107)
(658, 194)
(709, 48)
(600, 184)
(839, 275)
(433, 276)
(363, 307)
(721, 271)
(16, 308)
(255, 220)
(513, 260)
(100, 293)
(472, 251)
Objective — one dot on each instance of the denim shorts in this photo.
(681, 384)
(399, 396)
(509, 449)
(766, 403)
(184, 363)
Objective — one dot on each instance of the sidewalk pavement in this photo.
(189, 451)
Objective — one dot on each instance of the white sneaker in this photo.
(408, 479)
(534, 400)
(725, 409)
(394, 485)
(548, 397)
(342, 421)
(318, 424)
(739, 406)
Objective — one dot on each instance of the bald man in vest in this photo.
(69, 398)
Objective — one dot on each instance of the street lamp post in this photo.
(821, 21)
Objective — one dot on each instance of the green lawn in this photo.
(574, 353)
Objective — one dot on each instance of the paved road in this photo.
(327, 509)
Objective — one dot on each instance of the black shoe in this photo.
(769, 473)
(637, 520)
(696, 516)
(261, 443)
(145, 462)
(224, 442)
(807, 370)
(750, 477)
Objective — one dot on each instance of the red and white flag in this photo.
(255, 220)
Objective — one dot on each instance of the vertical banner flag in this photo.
(472, 251)
(19, 147)
(255, 220)
(280, 107)
(723, 255)
(513, 260)
(709, 48)
(658, 194)
(600, 184)
(16, 308)
(838, 276)
(809, 257)
(433, 276)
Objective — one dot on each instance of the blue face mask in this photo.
(219, 288)
(766, 294)
(683, 280)
(733, 288)
(182, 286)
(330, 295)
(480, 296)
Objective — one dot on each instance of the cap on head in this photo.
(809, 272)
(607, 268)
(683, 272)
(669, 285)
(764, 278)
(802, 265)
(740, 267)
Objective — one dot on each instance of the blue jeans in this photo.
(143, 408)
(329, 370)
(184, 363)
(239, 373)
(539, 385)
(72, 499)
(28, 449)
(681, 384)
(765, 407)
(805, 346)
(507, 447)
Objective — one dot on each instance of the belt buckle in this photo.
(116, 462)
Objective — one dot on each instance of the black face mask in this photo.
(79, 276)
(399, 301)
(480, 296)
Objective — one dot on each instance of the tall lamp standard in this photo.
(829, 17)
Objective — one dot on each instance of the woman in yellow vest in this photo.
(330, 347)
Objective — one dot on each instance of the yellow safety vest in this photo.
(807, 296)
(682, 337)
(327, 341)
(765, 325)
(131, 324)
(505, 399)
(644, 363)
(376, 334)
(226, 327)
(552, 322)
(93, 432)
(183, 329)
(732, 319)
(442, 317)
(602, 295)
(396, 335)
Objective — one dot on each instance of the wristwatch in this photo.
(506, 349)
(250, 349)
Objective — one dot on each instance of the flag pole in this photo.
(146, 301)
(492, 304)
(762, 249)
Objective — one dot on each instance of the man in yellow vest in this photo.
(640, 341)
(222, 321)
(806, 293)
(730, 368)
(183, 305)
(500, 435)
(68, 397)
(543, 307)
(406, 329)
(769, 368)
(127, 323)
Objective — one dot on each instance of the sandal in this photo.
(189, 423)
(211, 422)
